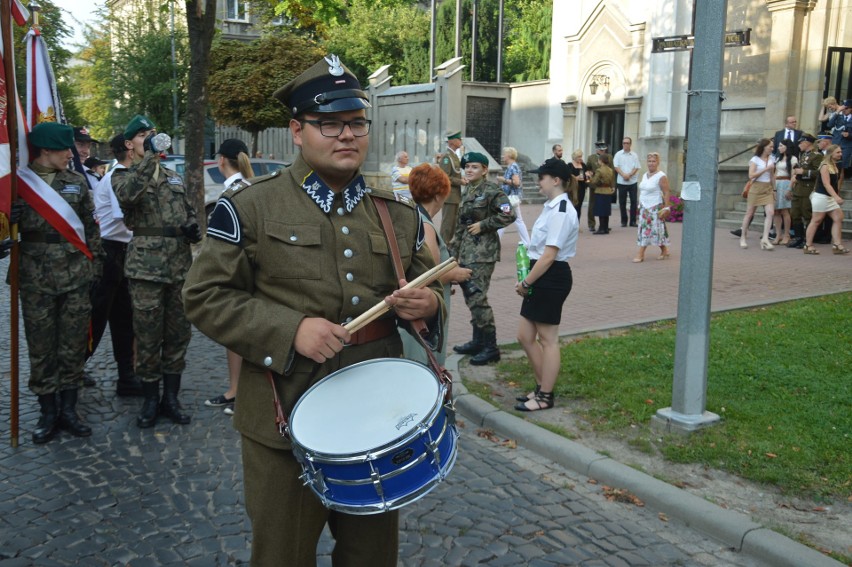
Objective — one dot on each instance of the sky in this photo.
(82, 11)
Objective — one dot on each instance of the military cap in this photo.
(807, 138)
(94, 162)
(52, 136)
(474, 157)
(137, 124)
(232, 147)
(554, 167)
(328, 86)
(454, 135)
(823, 136)
(601, 145)
(81, 134)
(848, 103)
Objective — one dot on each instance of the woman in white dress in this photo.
(654, 209)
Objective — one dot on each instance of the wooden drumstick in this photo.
(381, 308)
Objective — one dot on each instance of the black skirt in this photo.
(603, 205)
(549, 292)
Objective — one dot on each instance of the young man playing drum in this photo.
(287, 260)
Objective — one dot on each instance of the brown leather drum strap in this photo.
(418, 325)
(280, 420)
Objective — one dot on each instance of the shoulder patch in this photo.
(563, 206)
(238, 186)
(225, 223)
(390, 195)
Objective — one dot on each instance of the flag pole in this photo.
(12, 125)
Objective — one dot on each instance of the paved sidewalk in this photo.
(611, 291)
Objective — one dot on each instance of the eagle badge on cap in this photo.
(335, 68)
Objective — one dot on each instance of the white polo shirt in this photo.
(558, 226)
(107, 212)
(626, 162)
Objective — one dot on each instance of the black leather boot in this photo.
(68, 418)
(169, 405)
(128, 384)
(473, 346)
(148, 415)
(47, 427)
(489, 352)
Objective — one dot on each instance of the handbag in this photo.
(746, 188)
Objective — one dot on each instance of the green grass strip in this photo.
(779, 377)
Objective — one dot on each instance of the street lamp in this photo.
(598, 81)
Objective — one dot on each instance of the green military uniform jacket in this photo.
(488, 205)
(153, 198)
(603, 180)
(594, 161)
(57, 268)
(451, 165)
(805, 182)
(285, 248)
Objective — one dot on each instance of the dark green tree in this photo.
(381, 33)
(243, 77)
(527, 32)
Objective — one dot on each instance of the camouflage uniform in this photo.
(156, 207)
(451, 165)
(54, 279)
(800, 209)
(486, 204)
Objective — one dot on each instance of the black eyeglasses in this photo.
(333, 128)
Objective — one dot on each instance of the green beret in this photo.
(52, 136)
(474, 157)
(328, 86)
(136, 124)
(454, 135)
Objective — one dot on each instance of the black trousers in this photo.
(111, 304)
(625, 191)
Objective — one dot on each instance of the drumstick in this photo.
(381, 307)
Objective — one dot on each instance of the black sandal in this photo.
(544, 400)
(530, 396)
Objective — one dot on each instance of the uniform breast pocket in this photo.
(382, 262)
(291, 251)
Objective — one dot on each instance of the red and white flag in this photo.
(43, 105)
(20, 15)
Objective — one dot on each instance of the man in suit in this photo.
(788, 132)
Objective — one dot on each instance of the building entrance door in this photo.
(838, 73)
(609, 126)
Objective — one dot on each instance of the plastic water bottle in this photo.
(522, 260)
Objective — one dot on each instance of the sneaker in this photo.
(738, 233)
(219, 401)
(229, 410)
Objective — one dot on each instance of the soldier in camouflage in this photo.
(484, 209)
(158, 211)
(450, 164)
(54, 279)
(806, 174)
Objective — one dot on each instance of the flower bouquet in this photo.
(676, 212)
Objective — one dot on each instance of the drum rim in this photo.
(380, 451)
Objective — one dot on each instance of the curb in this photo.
(731, 528)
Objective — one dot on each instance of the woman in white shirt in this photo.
(761, 170)
(654, 209)
(552, 242)
(233, 162)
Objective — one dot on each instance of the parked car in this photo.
(213, 178)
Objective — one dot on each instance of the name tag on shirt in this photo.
(71, 189)
(174, 181)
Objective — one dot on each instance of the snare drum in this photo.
(374, 436)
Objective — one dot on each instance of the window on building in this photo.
(237, 10)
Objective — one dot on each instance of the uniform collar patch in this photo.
(323, 196)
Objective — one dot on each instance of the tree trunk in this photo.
(201, 24)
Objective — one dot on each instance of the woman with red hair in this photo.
(429, 187)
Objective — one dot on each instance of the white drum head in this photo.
(364, 407)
